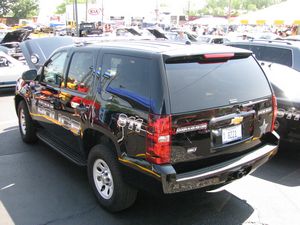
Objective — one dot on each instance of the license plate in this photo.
(231, 134)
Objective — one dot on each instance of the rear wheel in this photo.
(106, 180)
(26, 125)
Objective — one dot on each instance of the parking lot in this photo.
(39, 186)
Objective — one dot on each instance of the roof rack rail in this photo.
(272, 41)
(83, 41)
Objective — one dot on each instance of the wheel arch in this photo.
(92, 137)
(18, 99)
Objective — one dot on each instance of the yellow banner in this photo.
(296, 22)
(278, 22)
(244, 22)
(260, 22)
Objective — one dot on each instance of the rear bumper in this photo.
(164, 179)
(219, 174)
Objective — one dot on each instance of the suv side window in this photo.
(80, 72)
(273, 54)
(130, 77)
(53, 71)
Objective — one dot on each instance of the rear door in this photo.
(219, 109)
(124, 94)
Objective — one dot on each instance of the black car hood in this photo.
(157, 33)
(285, 81)
(133, 31)
(43, 48)
(16, 36)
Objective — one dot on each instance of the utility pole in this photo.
(86, 10)
(157, 12)
(102, 10)
(76, 19)
(229, 10)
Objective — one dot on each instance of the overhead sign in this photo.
(94, 11)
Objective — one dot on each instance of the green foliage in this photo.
(221, 7)
(61, 8)
(24, 9)
(5, 6)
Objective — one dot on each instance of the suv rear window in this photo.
(194, 86)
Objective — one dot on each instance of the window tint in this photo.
(272, 54)
(195, 86)
(130, 78)
(80, 72)
(53, 71)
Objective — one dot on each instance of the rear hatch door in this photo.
(220, 105)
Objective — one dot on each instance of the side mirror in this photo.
(29, 75)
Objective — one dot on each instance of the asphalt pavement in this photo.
(38, 187)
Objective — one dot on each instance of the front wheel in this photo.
(26, 125)
(106, 180)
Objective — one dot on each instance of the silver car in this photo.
(10, 70)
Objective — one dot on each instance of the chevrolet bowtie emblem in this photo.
(236, 120)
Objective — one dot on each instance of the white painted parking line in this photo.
(7, 186)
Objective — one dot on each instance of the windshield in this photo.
(195, 86)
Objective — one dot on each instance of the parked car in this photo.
(212, 39)
(160, 116)
(88, 29)
(12, 41)
(10, 70)
(285, 82)
(283, 52)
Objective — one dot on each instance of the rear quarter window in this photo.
(195, 86)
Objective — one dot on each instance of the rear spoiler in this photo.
(208, 58)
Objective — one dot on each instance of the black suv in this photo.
(282, 52)
(158, 116)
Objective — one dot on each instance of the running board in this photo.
(60, 147)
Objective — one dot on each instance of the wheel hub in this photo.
(103, 179)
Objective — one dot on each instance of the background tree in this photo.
(220, 7)
(61, 8)
(24, 9)
(5, 6)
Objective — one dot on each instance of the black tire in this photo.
(122, 195)
(29, 134)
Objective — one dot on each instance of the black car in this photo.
(282, 52)
(159, 116)
(87, 29)
(285, 82)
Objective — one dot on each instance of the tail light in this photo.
(274, 103)
(219, 56)
(158, 143)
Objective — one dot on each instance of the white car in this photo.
(10, 70)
